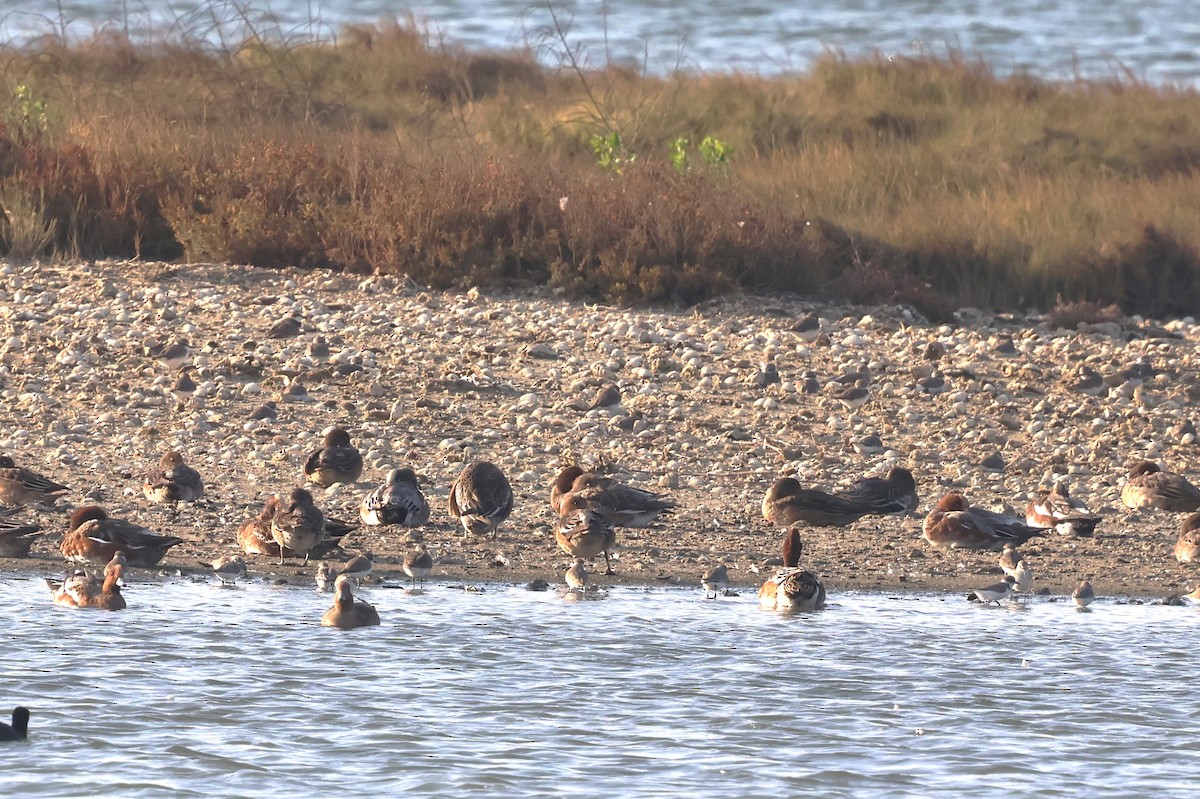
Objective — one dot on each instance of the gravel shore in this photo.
(432, 380)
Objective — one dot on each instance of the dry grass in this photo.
(930, 181)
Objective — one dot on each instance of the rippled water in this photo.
(196, 691)
(1159, 40)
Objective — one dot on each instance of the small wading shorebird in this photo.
(997, 592)
(1084, 595)
(954, 524)
(298, 525)
(418, 564)
(21, 486)
(172, 481)
(398, 501)
(715, 581)
(792, 587)
(326, 575)
(336, 461)
(347, 612)
(358, 567)
(481, 498)
(576, 576)
(584, 530)
(93, 537)
(1148, 486)
(19, 729)
(1055, 509)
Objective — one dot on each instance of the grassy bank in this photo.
(929, 181)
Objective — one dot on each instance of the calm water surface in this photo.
(198, 691)
(1158, 39)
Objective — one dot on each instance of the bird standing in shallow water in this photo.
(481, 498)
(418, 564)
(996, 592)
(715, 581)
(792, 587)
(1084, 595)
(336, 461)
(576, 577)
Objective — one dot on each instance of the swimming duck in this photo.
(85, 592)
(19, 729)
(1055, 509)
(21, 486)
(298, 525)
(584, 530)
(336, 461)
(624, 505)
(15, 537)
(895, 493)
(954, 524)
(715, 581)
(787, 502)
(1187, 546)
(481, 498)
(398, 501)
(94, 537)
(172, 481)
(792, 588)
(418, 564)
(1148, 486)
(576, 576)
(347, 612)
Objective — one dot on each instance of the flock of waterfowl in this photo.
(589, 506)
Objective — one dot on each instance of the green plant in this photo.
(611, 153)
(678, 154)
(26, 117)
(715, 152)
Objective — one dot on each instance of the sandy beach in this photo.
(433, 380)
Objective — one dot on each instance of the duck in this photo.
(15, 537)
(481, 498)
(19, 729)
(335, 461)
(21, 486)
(254, 534)
(85, 592)
(895, 493)
(398, 501)
(94, 537)
(172, 481)
(584, 530)
(787, 502)
(792, 587)
(418, 564)
(562, 485)
(1056, 509)
(1148, 486)
(347, 612)
(954, 524)
(715, 581)
(298, 525)
(1084, 595)
(996, 592)
(576, 577)
(1187, 546)
(625, 506)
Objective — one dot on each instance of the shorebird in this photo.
(715, 581)
(1148, 486)
(584, 531)
(298, 524)
(398, 501)
(996, 592)
(1187, 546)
(347, 612)
(576, 576)
(807, 327)
(1057, 510)
(19, 729)
(21, 486)
(94, 537)
(184, 387)
(787, 502)
(792, 587)
(335, 461)
(358, 567)
(954, 524)
(1084, 595)
(172, 481)
(481, 498)
(173, 356)
(326, 574)
(895, 493)
(229, 568)
(418, 564)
